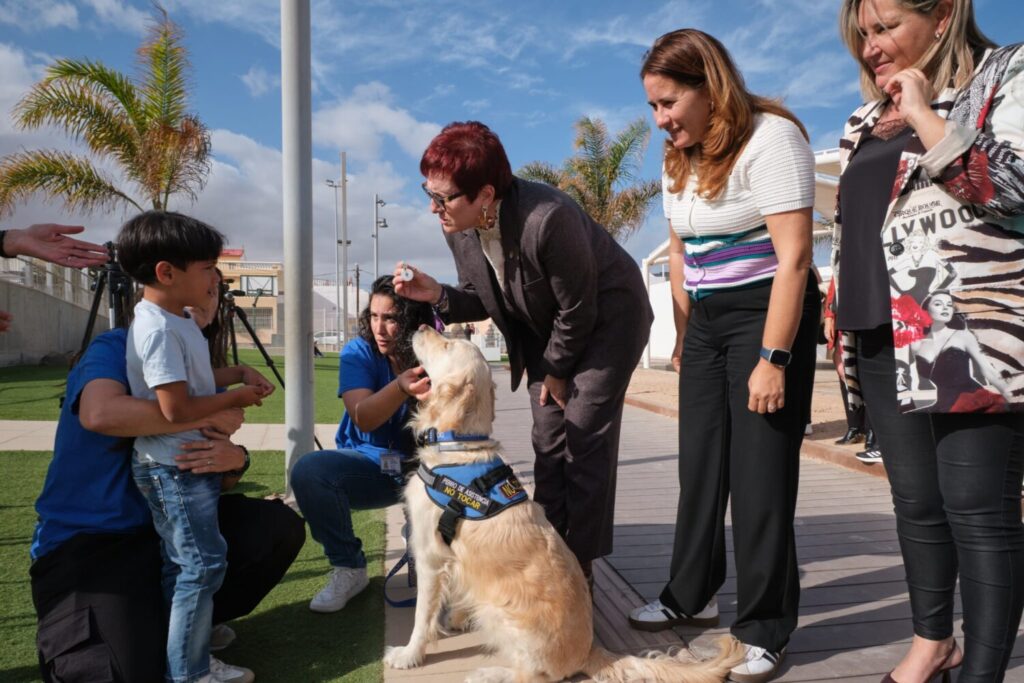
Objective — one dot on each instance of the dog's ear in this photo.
(466, 399)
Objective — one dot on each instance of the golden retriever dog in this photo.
(511, 575)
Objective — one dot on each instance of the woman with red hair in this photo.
(570, 302)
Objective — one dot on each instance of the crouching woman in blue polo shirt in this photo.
(378, 377)
(96, 565)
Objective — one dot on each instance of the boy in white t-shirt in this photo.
(174, 257)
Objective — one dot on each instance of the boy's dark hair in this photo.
(155, 236)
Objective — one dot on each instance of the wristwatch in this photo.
(777, 357)
(245, 466)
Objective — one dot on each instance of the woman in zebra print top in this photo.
(929, 297)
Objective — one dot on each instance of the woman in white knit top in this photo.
(738, 192)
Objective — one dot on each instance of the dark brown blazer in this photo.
(565, 277)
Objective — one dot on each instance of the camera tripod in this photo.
(234, 311)
(121, 291)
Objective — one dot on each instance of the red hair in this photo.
(471, 155)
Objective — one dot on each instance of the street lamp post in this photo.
(337, 274)
(378, 223)
(341, 272)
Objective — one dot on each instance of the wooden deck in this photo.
(854, 615)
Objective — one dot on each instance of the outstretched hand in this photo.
(50, 242)
(421, 287)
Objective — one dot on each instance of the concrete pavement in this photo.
(653, 390)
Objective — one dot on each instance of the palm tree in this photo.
(602, 175)
(140, 126)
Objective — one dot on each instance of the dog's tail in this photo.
(656, 667)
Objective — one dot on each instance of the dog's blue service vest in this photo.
(473, 492)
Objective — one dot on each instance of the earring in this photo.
(486, 222)
(938, 34)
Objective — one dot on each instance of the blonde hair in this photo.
(950, 60)
(694, 59)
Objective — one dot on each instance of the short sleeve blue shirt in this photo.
(362, 367)
(89, 486)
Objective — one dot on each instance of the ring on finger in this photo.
(772, 408)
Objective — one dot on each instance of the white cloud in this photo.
(363, 121)
(259, 81)
(476, 106)
(243, 198)
(639, 31)
(821, 80)
(31, 15)
(118, 14)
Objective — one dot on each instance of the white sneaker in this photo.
(870, 456)
(345, 583)
(654, 616)
(759, 666)
(221, 636)
(225, 673)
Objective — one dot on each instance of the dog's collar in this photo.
(452, 440)
(475, 491)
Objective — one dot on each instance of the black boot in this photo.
(853, 435)
(870, 443)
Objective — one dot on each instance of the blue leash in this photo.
(407, 559)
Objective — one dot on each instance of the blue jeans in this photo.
(328, 485)
(184, 507)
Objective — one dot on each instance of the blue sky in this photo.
(389, 73)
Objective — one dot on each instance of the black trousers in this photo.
(577, 449)
(100, 607)
(956, 489)
(727, 450)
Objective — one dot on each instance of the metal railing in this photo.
(67, 284)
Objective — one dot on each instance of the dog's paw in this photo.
(491, 674)
(403, 657)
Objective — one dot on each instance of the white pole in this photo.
(337, 267)
(297, 195)
(343, 330)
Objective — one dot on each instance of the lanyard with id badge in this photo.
(391, 463)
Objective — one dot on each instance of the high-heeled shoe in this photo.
(941, 676)
(943, 673)
(853, 435)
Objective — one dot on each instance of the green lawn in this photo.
(32, 392)
(281, 640)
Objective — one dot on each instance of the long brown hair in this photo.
(694, 59)
(950, 60)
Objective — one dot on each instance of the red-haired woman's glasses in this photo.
(440, 199)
